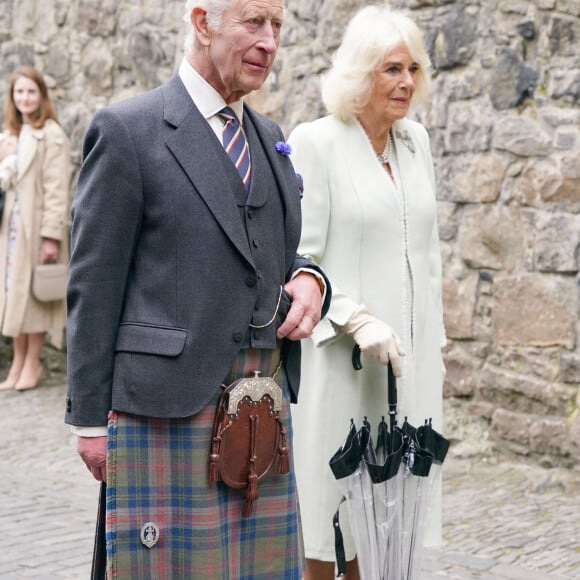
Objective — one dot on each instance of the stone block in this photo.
(570, 367)
(459, 298)
(491, 237)
(552, 183)
(541, 363)
(565, 85)
(575, 436)
(522, 136)
(511, 426)
(556, 243)
(558, 117)
(512, 79)
(563, 36)
(481, 409)
(526, 394)
(464, 132)
(549, 436)
(454, 43)
(447, 221)
(535, 310)
(460, 377)
(471, 178)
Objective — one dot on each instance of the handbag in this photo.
(49, 282)
(248, 436)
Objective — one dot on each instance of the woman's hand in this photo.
(49, 250)
(376, 340)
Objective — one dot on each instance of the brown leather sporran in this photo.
(248, 436)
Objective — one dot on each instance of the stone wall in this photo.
(504, 122)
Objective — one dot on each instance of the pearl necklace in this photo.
(385, 156)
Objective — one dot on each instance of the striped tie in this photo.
(236, 145)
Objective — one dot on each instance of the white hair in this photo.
(214, 11)
(373, 32)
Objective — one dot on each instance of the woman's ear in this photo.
(199, 23)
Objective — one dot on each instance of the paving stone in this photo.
(502, 520)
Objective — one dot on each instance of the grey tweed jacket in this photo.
(158, 298)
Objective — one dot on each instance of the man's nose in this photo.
(269, 39)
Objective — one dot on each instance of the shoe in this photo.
(9, 382)
(26, 382)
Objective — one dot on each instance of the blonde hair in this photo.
(372, 33)
(13, 120)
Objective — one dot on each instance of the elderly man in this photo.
(184, 277)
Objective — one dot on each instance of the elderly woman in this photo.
(35, 172)
(369, 219)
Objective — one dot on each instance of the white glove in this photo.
(376, 339)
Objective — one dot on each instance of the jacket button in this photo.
(238, 336)
(251, 281)
(256, 243)
(250, 213)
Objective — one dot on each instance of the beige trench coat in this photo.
(42, 183)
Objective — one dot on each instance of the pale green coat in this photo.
(364, 234)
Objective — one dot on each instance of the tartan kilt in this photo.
(157, 471)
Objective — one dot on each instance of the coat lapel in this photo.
(406, 149)
(196, 149)
(28, 146)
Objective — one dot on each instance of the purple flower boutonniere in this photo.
(283, 148)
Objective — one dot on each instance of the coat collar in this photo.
(28, 144)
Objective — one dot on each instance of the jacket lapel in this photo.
(196, 149)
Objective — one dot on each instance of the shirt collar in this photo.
(204, 96)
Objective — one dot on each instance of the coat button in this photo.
(251, 281)
(250, 214)
(256, 243)
(238, 336)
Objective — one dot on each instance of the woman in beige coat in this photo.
(35, 174)
(370, 221)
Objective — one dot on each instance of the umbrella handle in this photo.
(356, 358)
(357, 366)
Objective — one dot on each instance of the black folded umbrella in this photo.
(386, 490)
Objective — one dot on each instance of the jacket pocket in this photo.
(148, 339)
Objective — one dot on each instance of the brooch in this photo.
(405, 138)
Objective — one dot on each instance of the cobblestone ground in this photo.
(501, 520)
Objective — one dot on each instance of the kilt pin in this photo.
(157, 476)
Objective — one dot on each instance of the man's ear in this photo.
(199, 23)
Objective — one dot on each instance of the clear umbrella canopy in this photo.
(386, 490)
